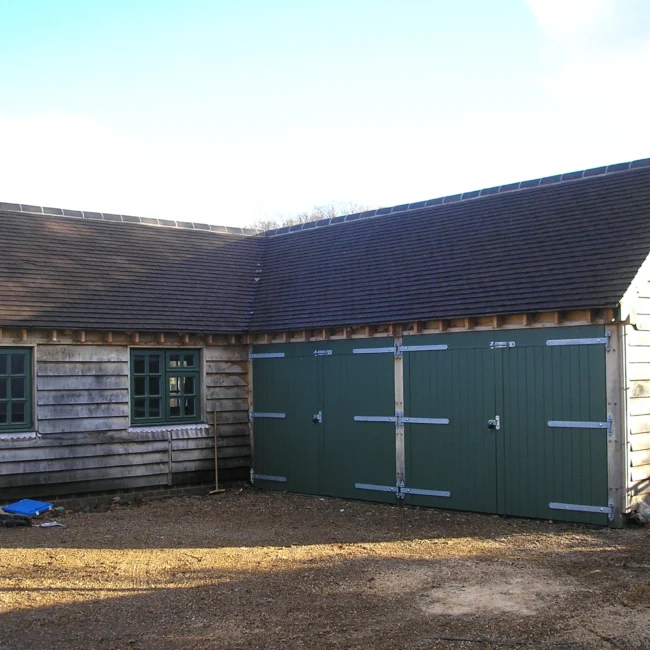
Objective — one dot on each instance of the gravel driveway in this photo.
(250, 569)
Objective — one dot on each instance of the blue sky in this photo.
(226, 112)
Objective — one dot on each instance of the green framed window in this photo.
(15, 389)
(165, 387)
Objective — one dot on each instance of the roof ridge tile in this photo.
(123, 218)
(471, 195)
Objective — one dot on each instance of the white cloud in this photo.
(595, 57)
(71, 161)
(571, 20)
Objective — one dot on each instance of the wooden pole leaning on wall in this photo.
(216, 455)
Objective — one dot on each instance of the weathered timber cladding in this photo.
(65, 407)
(81, 397)
(638, 385)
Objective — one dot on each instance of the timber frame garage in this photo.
(488, 351)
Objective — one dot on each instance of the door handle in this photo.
(317, 418)
(495, 424)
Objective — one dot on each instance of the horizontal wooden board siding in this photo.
(77, 406)
(82, 407)
(638, 378)
(73, 463)
(226, 379)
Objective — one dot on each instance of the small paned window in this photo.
(165, 386)
(15, 389)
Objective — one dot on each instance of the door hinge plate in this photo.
(424, 348)
(574, 507)
(390, 350)
(267, 477)
(409, 420)
(258, 414)
(579, 424)
(600, 340)
(377, 488)
(265, 355)
(374, 418)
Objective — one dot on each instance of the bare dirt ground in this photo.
(266, 570)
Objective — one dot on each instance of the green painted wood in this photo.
(330, 457)
(357, 452)
(544, 464)
(287, 447)
(517, 470)
(459, 384)
(526, 465)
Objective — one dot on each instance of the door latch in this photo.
(495, 424)
(317, 418)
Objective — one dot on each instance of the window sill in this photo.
(167, 427)
(26, 435)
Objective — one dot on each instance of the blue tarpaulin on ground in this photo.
(28, 508)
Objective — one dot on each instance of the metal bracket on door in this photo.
(573, 507)
(577, 424)
(400, 491)
(497, 345)
(424, 493)
(398, 349)
(408, 420)
(391, 350)
(606, 340)
(378, 488)
(265, 355)
(317, 418)
(495, 424)
(257, 414)
(374, 418)
(423, 348)
(399, 419)
(267, 477)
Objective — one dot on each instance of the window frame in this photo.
(28, 399)
(166, 371)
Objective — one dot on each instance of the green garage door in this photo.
(323, 418)
(358, 458)
(546, 454)
(554, 376)
(450, 393)
(286, 397)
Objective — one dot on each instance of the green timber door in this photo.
(358, 453)
(450, 391)
(546, 456)
(554, 376)
(286, 397)
(305, 400)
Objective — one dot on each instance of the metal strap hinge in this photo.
(580, 424)
(258, 414)
(265, 355)
(424, 348)
(402, 491)
(600, 340)
(267, 477)
(574, 507)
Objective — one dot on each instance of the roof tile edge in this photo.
(466, 196)
(125, 218)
